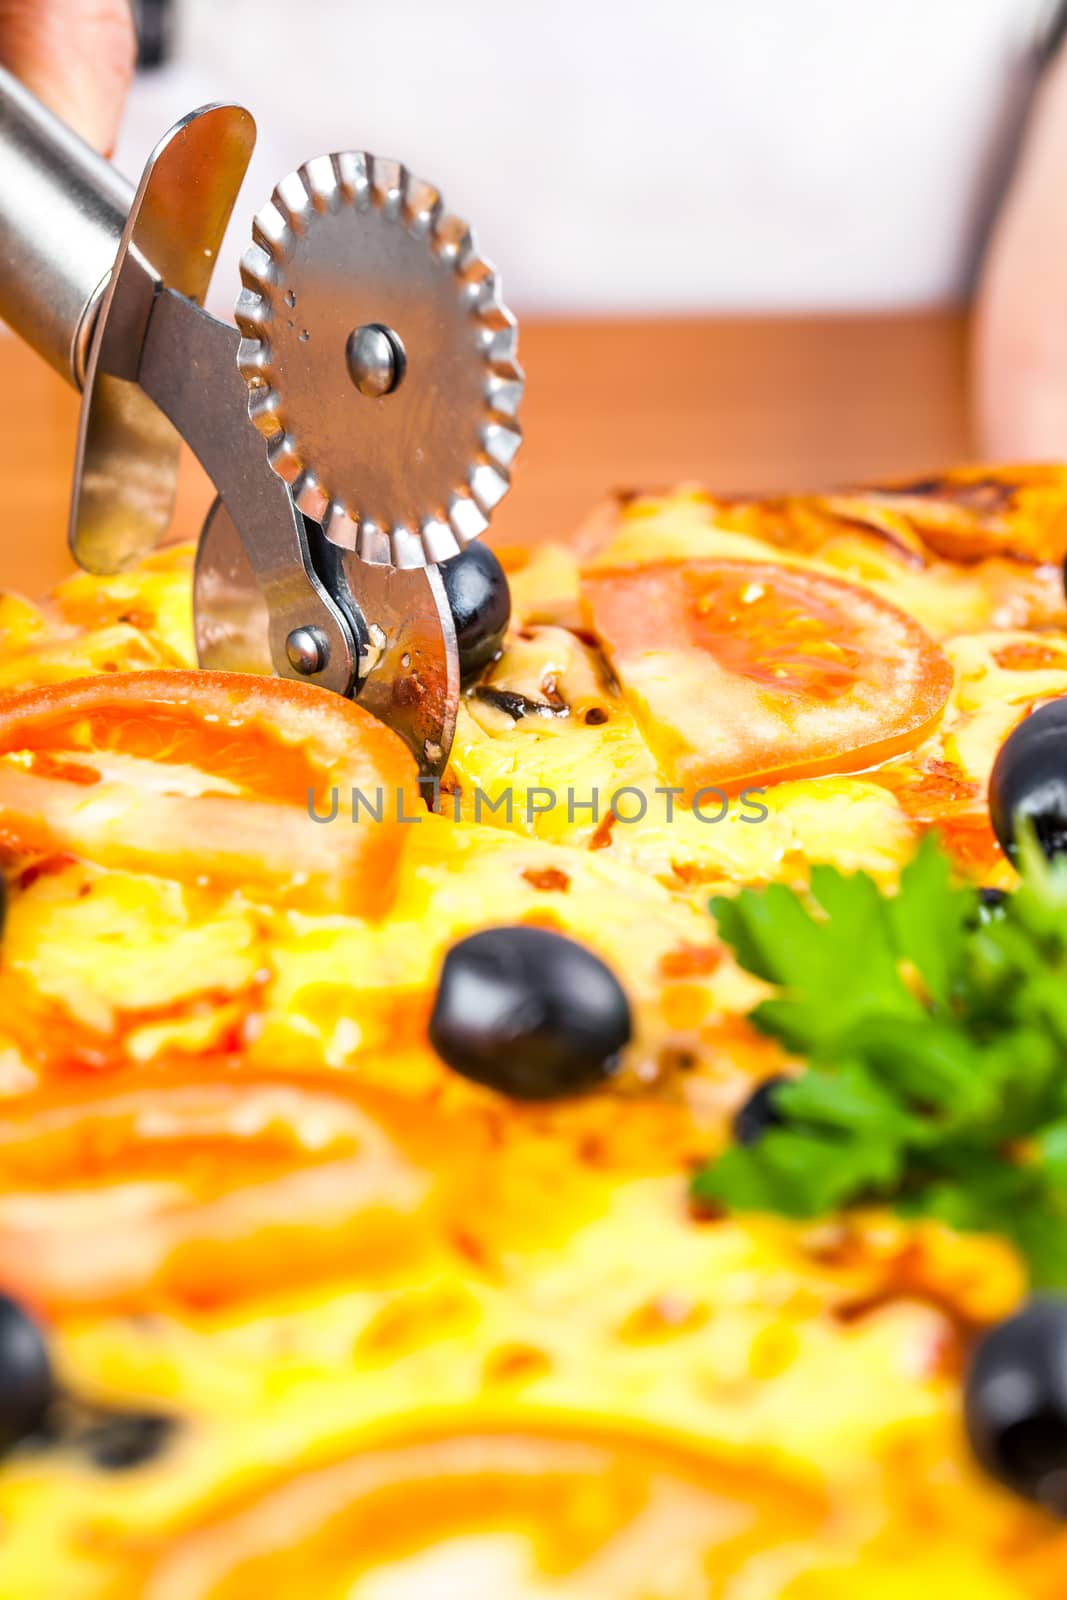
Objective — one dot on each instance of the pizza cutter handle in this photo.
(62, 210)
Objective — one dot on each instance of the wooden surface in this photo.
(740, 404)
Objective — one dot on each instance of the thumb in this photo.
(77, 56)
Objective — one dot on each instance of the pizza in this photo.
(632, 1170)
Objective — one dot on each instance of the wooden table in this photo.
(739, 404)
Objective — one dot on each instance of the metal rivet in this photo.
(307, 650)
(376, 359)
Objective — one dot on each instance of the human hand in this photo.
(1020, 347)
(76, 55)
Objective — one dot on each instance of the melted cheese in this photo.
(579, 1391)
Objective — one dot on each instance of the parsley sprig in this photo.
(936, 1048)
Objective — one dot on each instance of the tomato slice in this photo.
(744, 672)
(206, 777)
(508, 1505)
(203, 1185)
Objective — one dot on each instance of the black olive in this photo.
(26, 1383)
(517, 705)
(991, 903)
(759, 1112)
(529, 1012)
(480, 601)
(1016, 1402)
(120, 1440)
(1029, 779)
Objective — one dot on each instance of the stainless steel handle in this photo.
(62, 210)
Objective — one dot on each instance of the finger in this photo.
(1020, 347)
(76, 55)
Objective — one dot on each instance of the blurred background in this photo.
(687, 156)
(740, 238)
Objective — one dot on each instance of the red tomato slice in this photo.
(744, 672)
(590, 1510)
(203, 1185)
(206, 777)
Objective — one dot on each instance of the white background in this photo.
(682, 155)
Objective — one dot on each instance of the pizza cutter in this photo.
(358, 424)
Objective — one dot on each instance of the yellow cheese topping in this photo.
(503, 1358)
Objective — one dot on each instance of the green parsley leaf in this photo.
(930, 919)
(936, 1048)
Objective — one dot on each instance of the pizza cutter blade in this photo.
(408, 658)
(359, 429)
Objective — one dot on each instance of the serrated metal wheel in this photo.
(380, 360)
